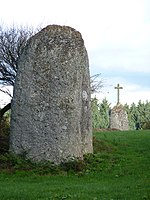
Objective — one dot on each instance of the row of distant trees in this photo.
(138, 115)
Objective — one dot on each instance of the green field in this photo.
(118, 170)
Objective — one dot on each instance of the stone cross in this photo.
(118, 94)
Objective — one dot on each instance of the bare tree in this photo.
(12, 41)
(96, 83)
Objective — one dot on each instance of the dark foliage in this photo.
(4, 135)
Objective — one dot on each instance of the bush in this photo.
(146, 125)
(4, 134)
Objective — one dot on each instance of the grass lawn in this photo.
(118, 170)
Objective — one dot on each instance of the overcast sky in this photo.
(116, 35)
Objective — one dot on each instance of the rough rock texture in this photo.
(119, 118)
(51, 110)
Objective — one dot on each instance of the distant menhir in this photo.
(118, 115)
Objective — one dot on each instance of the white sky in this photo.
(116, 35)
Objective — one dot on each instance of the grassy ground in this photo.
(119, 169)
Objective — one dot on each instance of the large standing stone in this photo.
(51, 110)
(119, 118)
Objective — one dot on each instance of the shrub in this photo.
(4, 134)
(146, 125)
